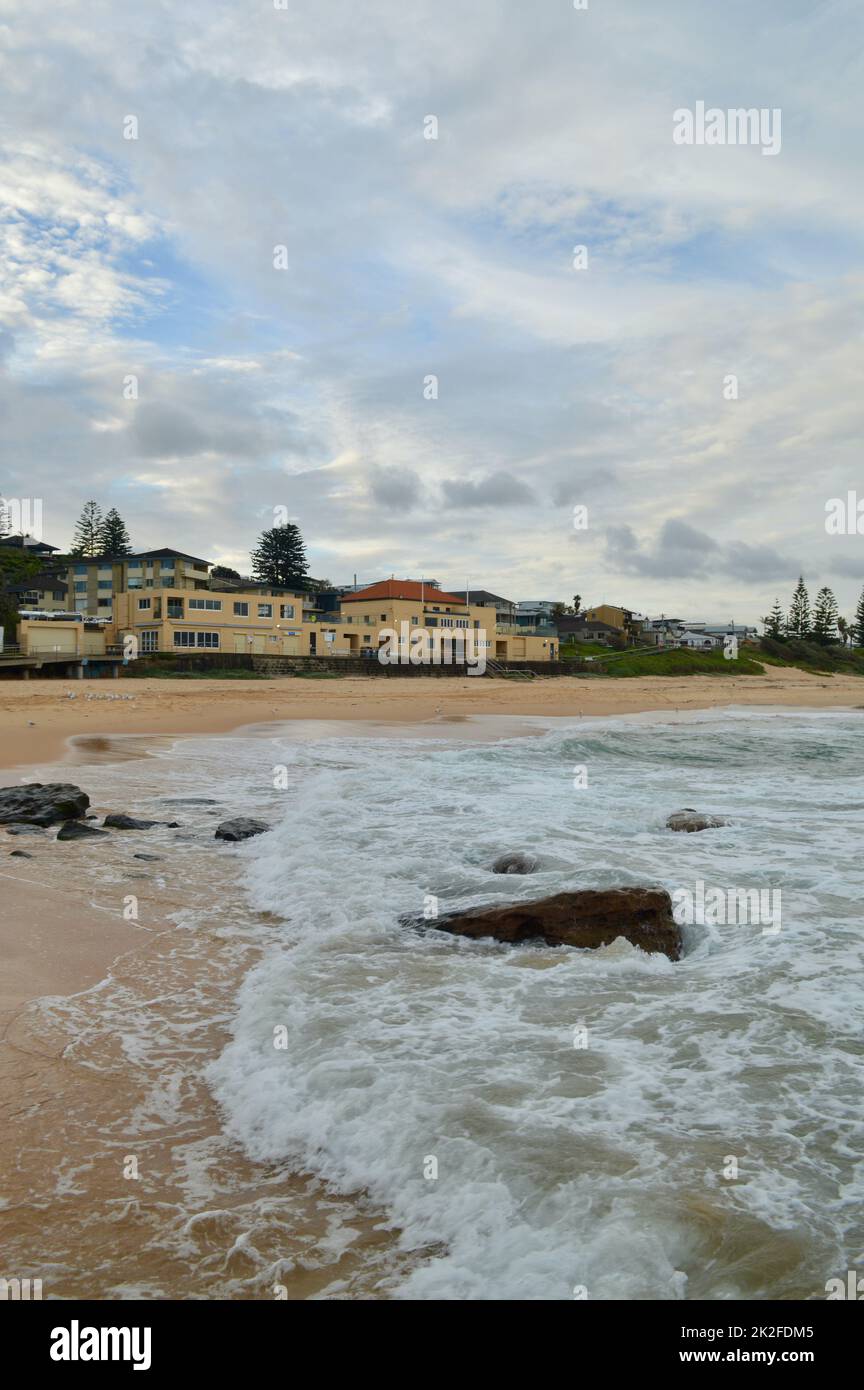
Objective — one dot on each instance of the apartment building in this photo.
(95, 581)
(280, 623)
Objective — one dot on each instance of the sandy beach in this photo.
(74, 1072)
(37, 717)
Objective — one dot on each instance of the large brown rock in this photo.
(589, 918)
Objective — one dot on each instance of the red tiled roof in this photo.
(403, 588)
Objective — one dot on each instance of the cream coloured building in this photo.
(275, 624)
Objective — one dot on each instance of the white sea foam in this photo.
(562, 1167)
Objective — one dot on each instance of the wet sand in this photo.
(37, 717)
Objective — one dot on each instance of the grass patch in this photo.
(812, 656)
(678, 662)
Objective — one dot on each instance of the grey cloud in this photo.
(495, 490)
(395, 488)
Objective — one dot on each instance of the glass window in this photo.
(286, 610)
(265, 610)
(241, 610)
(80, 586)
(104, 584)
(213, 605)
(196, 639)
(143, 603)
(80, 569)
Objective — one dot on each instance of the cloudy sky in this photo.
(405, 258)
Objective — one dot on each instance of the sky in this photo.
(421, 374)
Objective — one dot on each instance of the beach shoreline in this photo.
(38, 718)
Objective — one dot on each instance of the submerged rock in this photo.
(42, 804)
(190, 801)
(74, 830)
(242, 828)
(587, 918)
(689, 820)
(25, 830)
(20, 854)
(120, 822)
(155, 857)
(514, 863)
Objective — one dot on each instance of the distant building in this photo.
(582, 629)
(504, 607)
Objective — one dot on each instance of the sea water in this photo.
(544, 1123)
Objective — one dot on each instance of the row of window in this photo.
(214, 605)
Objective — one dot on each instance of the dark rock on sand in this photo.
(74, 830)
(689, 821)
(156, 858)
(243, 828)
(587, 918)
(20, 854)
(515, 863)
(42, 804)
(25, 830)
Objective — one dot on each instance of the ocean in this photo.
(481, 1121)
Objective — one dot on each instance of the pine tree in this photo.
(280, 557)
(798, 622)
(113, 536)
(87, 538)
(857, 627)
(825, 617)
(774, 622)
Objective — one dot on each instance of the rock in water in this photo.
(36, 803)
(243, 828)
(514, 863)
(120, 822)
(74, 830)
(689, 820)
(588, 918)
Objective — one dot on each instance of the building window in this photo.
(265, 610)
(143, 603)
(367, 639)
(416, 622)
(175, 608)
(58, 596)
(196, 639)
(150, 639)
(286, 610)
(383, 617)
(79, 569)
(241, 610)
(104, 584)
(213, 605)
(104, 603)
(80, 586)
